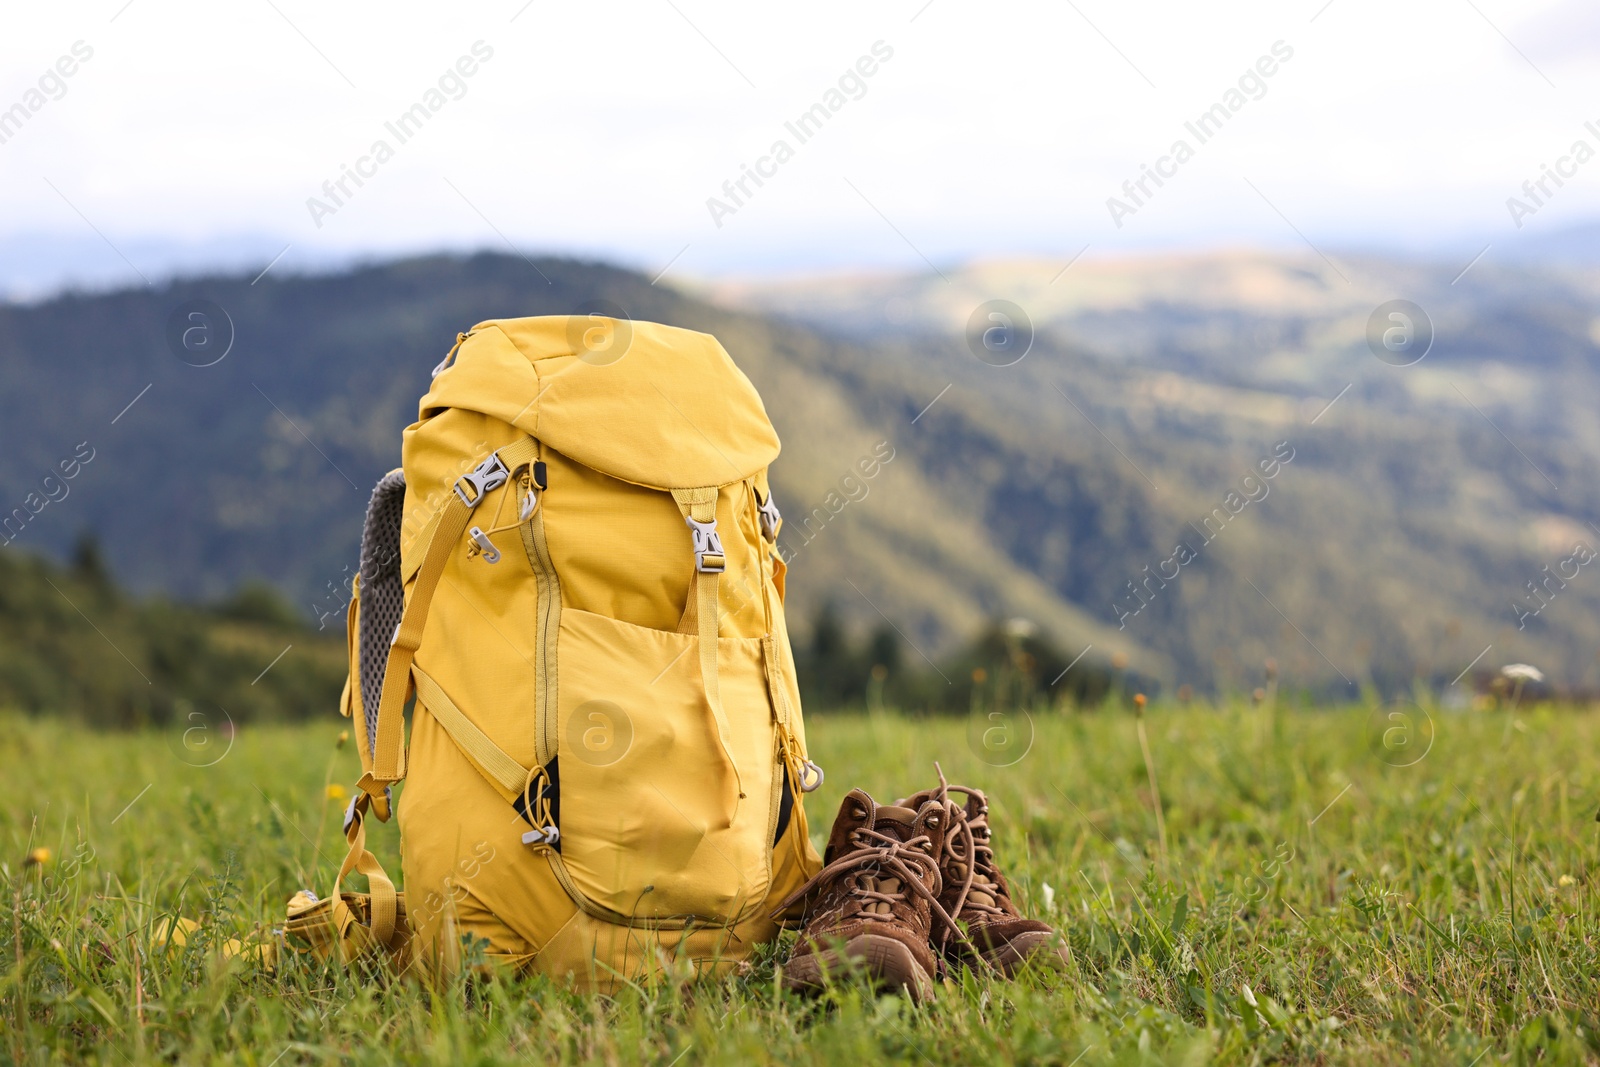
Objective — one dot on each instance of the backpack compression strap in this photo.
(385, 901)
(388, 749)
(699, 507)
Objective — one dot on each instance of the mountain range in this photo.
(1198, 464)
(1433, 511)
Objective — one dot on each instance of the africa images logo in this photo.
(805, 126)
(451, 85)
(1252, 85)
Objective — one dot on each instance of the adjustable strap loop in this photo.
(378, 794)
(385, 902)
(699, 507)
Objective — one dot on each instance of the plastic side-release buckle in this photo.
(771, 517)
(708, 555)
(490, 474)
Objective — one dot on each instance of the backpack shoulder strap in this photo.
(388, 748)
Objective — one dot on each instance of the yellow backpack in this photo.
(575, 572)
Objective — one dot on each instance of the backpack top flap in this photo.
(654, 405)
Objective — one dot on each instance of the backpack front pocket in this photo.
(651, 826)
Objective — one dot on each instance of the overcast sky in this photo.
(990, 129)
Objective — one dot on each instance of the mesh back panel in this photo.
(383, 595)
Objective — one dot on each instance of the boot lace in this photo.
(967, 848)
(876, 860)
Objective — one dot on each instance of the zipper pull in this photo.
(491, 554)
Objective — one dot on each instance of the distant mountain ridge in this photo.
(1419, 505)
(259, 466)
(1411, 533)
(35, 264)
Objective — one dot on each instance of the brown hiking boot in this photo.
(989, 925)
(875, 901)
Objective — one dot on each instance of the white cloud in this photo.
(603, 127)
(1566, 32)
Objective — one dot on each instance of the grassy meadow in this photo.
(1339, 885)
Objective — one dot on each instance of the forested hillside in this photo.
(259, 465)
(72, 642)
(1430, 511)
(1394, 534)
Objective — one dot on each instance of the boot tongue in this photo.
(895, 820)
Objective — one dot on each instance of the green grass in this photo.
(1317, 903)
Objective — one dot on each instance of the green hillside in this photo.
(1431, 512)
(258, 467)
(1395, 535)
(71, 642)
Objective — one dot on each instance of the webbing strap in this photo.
(388, 758)
(700, 505)
(385, 901)
(503, 772)
(409, 565)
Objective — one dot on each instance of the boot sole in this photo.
(887, 961)
(1010, 957)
